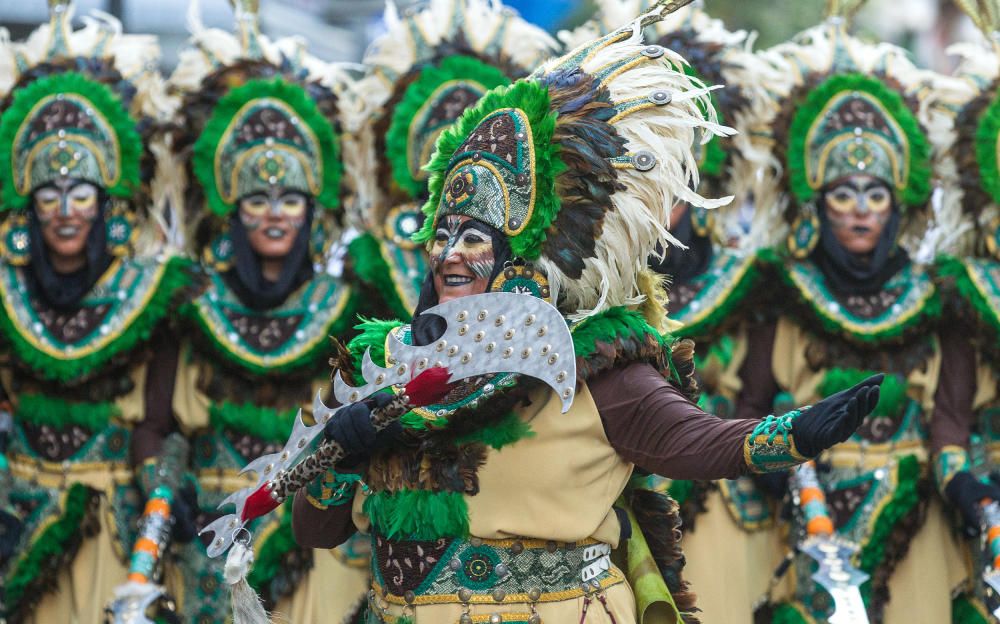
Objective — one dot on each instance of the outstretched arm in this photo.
(651, 424)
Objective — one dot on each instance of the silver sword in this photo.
(488, 333)
(838, 577)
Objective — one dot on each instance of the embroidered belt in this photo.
(478, 571)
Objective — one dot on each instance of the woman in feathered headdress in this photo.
(492, 505)
(854, 295)
(85, 296)
(264, 173)
(432, 63)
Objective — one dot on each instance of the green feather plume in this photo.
(533, 99)
(397, 139)
(296, 97)
(261, 422)
(987, 132)
(41, 409)
(892, 397)
(917, 187)
(418, 514)
(372, 268)
(104, 101)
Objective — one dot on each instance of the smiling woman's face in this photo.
(858, 208)
(273, 220)
(462, 258)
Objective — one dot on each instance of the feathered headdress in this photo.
(854, 108)
(432, 63)
(972, 98)
(580, 164)
(742, 165)
(83, 104)
(255, 115)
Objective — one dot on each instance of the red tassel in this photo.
(429, 387)
(259, 503)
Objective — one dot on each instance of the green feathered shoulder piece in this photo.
(425, 111)
(372, 334)
(987, 134)
(807, 295)
(978, 284)
(854, 123)
(135, 296)
(470, 170)
(262, 134)
(67, 124)
(617, 337)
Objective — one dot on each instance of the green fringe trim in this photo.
(42, 409)
(397, 138)
(986, 149)
(617, 323)
(372, 335)
(176, 276)
(533, 99)
(904, 499)
(916, 188)
(371, 267)
(203, 159)
(51, 544)
(722, 310)
(104, 101)
(418, 514)
(931, 310)
(261, 422)
(270, 555)
(508, 431)
(788, 614)
(950, 266)
(892, 399)
(315, 358)
(964, 611)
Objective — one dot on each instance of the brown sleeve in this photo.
(759, 386)
(158, 420)
(651, 424)
(320, 528)
(951, 419)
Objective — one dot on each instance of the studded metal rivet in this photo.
(542, 331)
(534, 594)
(528, 321)
(302, 443)
(535, 619)
(462, 316)
(463, 330)
(354, 397)
(499, 594)
(379, 379)
(480, 335)
(513, 224)
(490, 347)
(496, 618)
(643, 160)
(466, 358)
(567, 393)
(501, 569)
(660, 97)
(507, 352)
(452, 350)
(653, 51)
(545, 350)
(482, 315)
(441, 345)
(401, 370)
(409, 597)
(500, 320)
(553, 358)
(422, 364)
(455, 564)
(508, 334)
(475, 542)
(526, 353)
(517, 548)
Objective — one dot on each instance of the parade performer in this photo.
(851, 300)
(491, 504)
(258, 133)
(431, 64)
(85, 297)
(971, 280)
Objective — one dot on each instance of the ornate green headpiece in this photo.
(67, 125)
(430, 104)
(264, 134)
(853, 123)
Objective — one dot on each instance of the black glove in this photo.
(352, 428)
(836, 417)
(185, 513)
(967, 493)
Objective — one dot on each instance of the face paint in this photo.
(66, 198)
(273, 220)
(462, 258)
(858, 208)
(66, 210)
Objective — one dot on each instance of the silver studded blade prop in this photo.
(838, 577)
(988, 554)
(485, 334)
